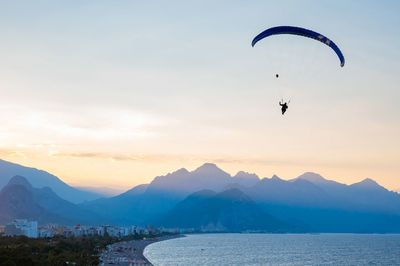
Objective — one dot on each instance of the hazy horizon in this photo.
(116, 189)
(117, 93)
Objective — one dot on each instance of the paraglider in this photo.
(284, 106)
(302, 32)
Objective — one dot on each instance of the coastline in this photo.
(130, 252)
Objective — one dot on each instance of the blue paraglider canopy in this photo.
(302, 32)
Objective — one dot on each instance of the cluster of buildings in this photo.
(22, 227)
(31, 229)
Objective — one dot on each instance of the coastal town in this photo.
(31, 229)
(126, 248)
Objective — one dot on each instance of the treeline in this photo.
(58, 250)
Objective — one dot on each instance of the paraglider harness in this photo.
(284, 106)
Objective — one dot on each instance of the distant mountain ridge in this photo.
(308, 203)
(207, 176)
(145, 202)
(40, 179)
(227, 211)
(20, 200)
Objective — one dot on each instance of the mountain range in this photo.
(210, 199)
(18, 200)
(40, 179)
(230, 211)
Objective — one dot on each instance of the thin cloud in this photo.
(115, 157)
(160, 158)
(175, 157)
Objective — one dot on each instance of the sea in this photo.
(277, 249)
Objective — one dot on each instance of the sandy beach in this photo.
(129, 252)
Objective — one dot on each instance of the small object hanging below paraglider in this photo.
(277, 75)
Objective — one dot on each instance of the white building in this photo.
(45, 233)
(2, 229)
(113, 231)
(100, 231)
(22, 227)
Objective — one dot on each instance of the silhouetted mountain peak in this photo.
(312, 177)
(39, 178)
(273, 180)
(245, 179)
(182, 182)
(233, 194)
(181, 171)
(242, 174)
(230, 210)
(208, 168)
(20, 180)
(267, 181)
(179, 174)
(275, 177)
(367, 183)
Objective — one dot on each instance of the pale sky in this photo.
(114, 93)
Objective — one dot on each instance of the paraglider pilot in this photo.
(284, 107)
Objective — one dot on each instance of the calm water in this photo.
(277, 249)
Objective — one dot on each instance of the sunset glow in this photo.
(101, 94)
